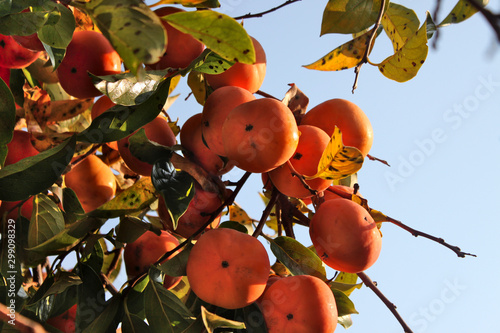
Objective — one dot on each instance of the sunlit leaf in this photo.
(345, 321)
(58, 29)
(400, 24)
(22, 23)
(297, 258)
(35, 174)
(47, 220)
(219, 32)
(345, 56)
(406, 62)
(122, 21)
(349, 16)
(344, 305)
(345, 282)
(213, 321)
(214, 64)
(196, 82)
(461, 12)
(238, 214)
(134, 198)
(338, 161)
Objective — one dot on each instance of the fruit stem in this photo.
(370, 284)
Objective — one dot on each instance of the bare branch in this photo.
(493, 19)
(250, 15)
(370, 284)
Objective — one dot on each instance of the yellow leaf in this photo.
(238, 214)
(406, 62)
(345, 56)
(378, 216)
(400, 24)
(461, 12)
(338, 161)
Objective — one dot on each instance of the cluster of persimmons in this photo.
(236, 128)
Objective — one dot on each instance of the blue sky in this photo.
(440, 134)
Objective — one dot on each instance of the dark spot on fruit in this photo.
(2, 43)
(224, 264)
(297, 156)
(289, 316)
(73, 70)
(248, 127)
(206, 123)
(126, 145)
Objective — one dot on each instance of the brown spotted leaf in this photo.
(338, 161)
(406, 62)
(238, 214)
(461, 12)
(400, 24)
(296, 100)
(37, 104)
(345, 56)
(64, 110)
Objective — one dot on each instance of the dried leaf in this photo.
(296, 100)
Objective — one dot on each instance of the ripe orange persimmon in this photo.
(260, 135)
(330, 192)
(228, 268)
(65, 322)
(99, 107)
(93, 182)
(13, 211)
(181, 48)
(299, 304)
(215, 110)
(247, 76)
(19, 147)
(197, 214)
(31, 42)
(312, 143)
(13, 55)
(88, 51)
(157, 131)
(192, 140)
(146, 250)
(355, 126)
(345, 236)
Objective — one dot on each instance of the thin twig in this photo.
(369, 46)
(266, 213)
(108, 284)
(439, 240)
(250, 15)
(370, 284)
(493, 19)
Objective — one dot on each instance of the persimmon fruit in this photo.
(197, 213)
(215, 110)
(88, 52)
(354, 124)
(247, 76)
(228, 268)
(139, 255)
(299, 304)
(65, 322)
(312, 143)
(19, 147)
(157, 130)
(13, 211)
(260, 135)
(13, 55)
(31, 42)
(181, 48)
(191, 139)
(93, 182)
(345, 236)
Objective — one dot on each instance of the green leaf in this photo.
(133, 29)
(133, 199)
(58, 29)
(164, 311)
(297, 258)
(121, 121)
(344, 305)
(124, 88)
(213, 321)
(406, 62)
(345, 56)
(346, 282)
(234, 225)
(214, 64)
(461, 12)
(22, 24)
(176, 188)
(400, 24)
(134, 324)
(7, 119)
(56, 55)
(109, 318)
(349, 16)
(130, 228)
(46, 221)
(91, 297)
(35, 174)
(71, 205)
(176, 266)
(147, 151)
(219, 32)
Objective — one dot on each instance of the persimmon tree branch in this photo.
(265, 214)
(492, 18)
(369, 46)
(370, 284)
(250, 15)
